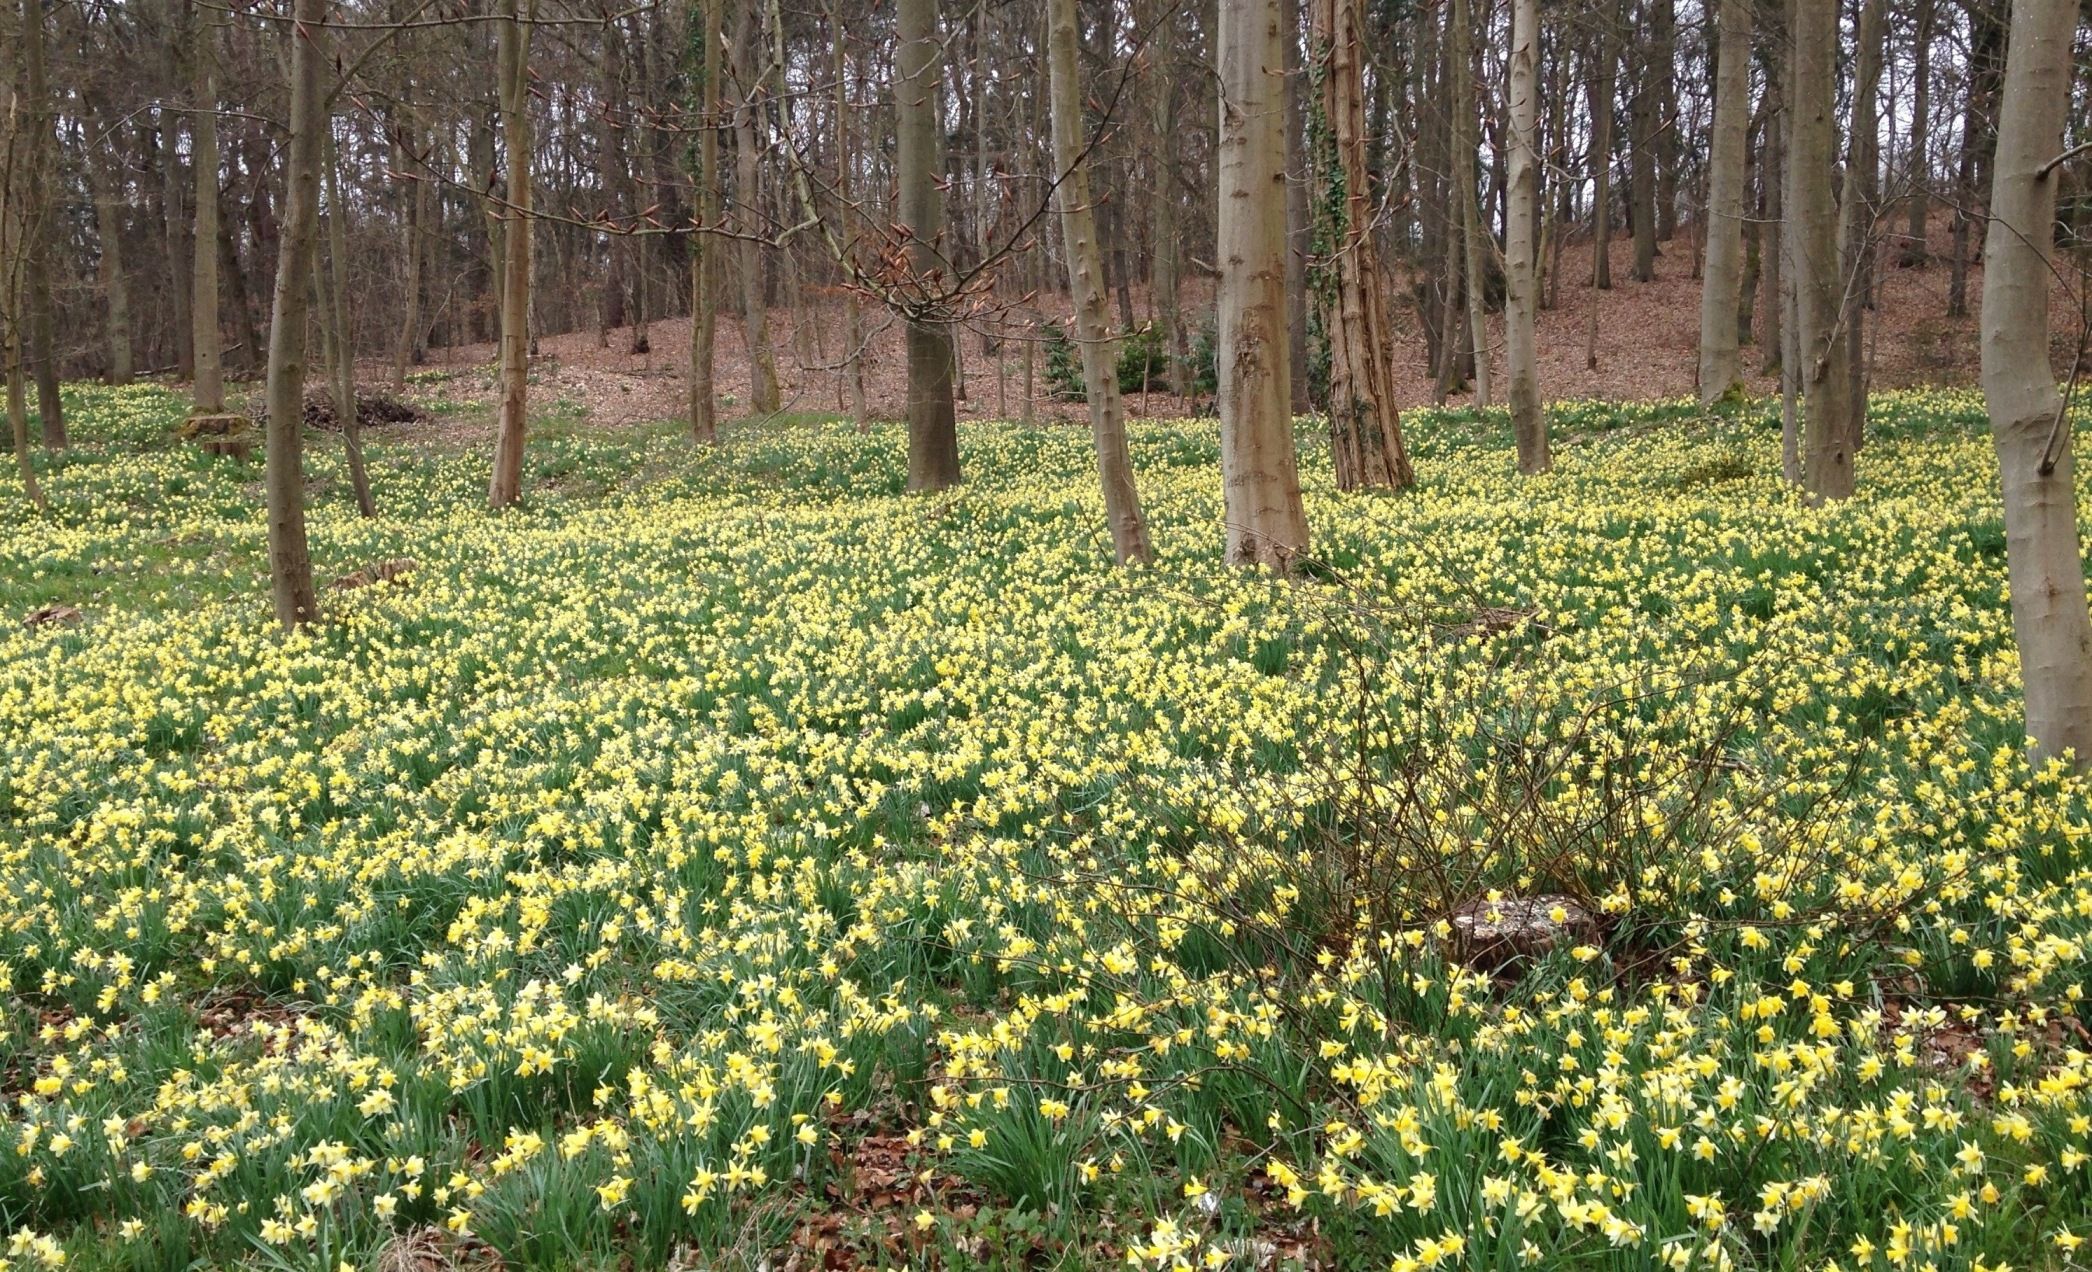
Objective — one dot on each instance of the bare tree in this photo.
(704, 271)
(1365, 427)
(2029, 419)
(1473, 242)
(290, 561)
(1266, 519)
(933, 434)
(1100, 371)
(207, 390)
(513, 36)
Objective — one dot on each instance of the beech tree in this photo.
(1100, 369)
(2028, 418)
(933, 435)
(1721, 369)
(1260, 480)
(1813, 252)
(1521, 248)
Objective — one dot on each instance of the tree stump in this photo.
(223, 434)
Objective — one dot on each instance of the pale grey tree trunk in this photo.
(2027, 416)
(1260, 481)
(290, 561)
(334, 302)
(1521, 312)
(1819, 282)
(763, 396)
(1100, 369)
(1721, 364)
(39, 152)
(105, 169)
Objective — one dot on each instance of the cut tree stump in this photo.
(223, 434)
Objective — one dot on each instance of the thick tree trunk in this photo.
(290, 563)
(933, 436)
(1473, 245)
(1643, 124)
(2028, 423)
(1819, 283)
(1296, 92)
(1100, 371)
(704, 269)
(513, 35)
(209, 390)
(1365, 426)
(1266, 520)
(1520, 249)
(1721, 363)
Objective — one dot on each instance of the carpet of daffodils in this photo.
(726, 860)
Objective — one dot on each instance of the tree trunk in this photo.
(1772, 178)
(1602, 92)
(1826, 385)
(763, 397)
(209, 388)
(845, 165)
(1985, 39)
(933, 435)
(290, 564)
(406, 350)
(1520, 250)
(513, 36)
(1266, 520)
(2027, 414)
(1100, 371)
(1916, 250)
(1365, 427)
(40, 213)
(1856, 211)
(1474, 250)
(1641, 159)
(1721, 361)
(105, 167)
(174, 214)
(704, 269)
(342, 353)
(1297, 351)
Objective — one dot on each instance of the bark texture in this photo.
(1721, 364)
(513, 36)
(1521, 248)
(290, 561)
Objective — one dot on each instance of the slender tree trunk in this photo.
(290, 563)
(763, 396)
(513, 35)
(1603, 85)
(2027, 414)
(174, 212)
(1100, 372)
(105, 169)
(1721, 361)
(1819, 284)
(933, 436)
(406, 350)
(2026, 411)
(1365, 427)
(1984, 42)
(704, 269)
(1521, 311)
(1856, 210)
(845, 166)
(209, 389)
(1773, 177)
(1260, 481)
(341, 362)
(1916, 251)
(37, 244)
(1297, 352)
(1643, 124)
(1166, 282)
(1474, 249)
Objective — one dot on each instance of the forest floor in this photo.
(726, 860)
(1647, 348)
